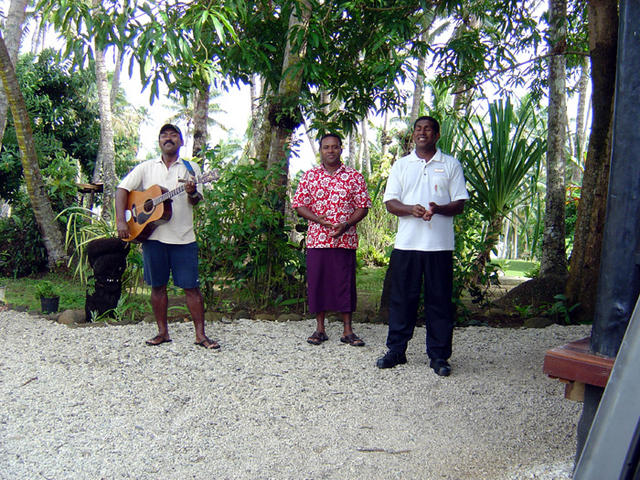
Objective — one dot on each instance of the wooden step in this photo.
(576, 365)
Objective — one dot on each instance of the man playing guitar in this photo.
(171, 248)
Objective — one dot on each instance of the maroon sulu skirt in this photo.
(331, 279)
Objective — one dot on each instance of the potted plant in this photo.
(49, 298)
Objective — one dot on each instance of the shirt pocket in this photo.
(440, 186)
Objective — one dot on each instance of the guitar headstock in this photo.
(210, 176)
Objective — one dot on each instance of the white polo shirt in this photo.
(179, 228)
(413, 181)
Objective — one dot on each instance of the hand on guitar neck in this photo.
(139, 213)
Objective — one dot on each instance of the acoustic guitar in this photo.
(146, 210)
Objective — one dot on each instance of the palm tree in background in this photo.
(499, 159)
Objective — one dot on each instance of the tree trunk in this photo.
(13, 33)
(582, 284)
(463, 93)
(385, 141)
(200, 116)
(42, 210)
(491, 238)
(115, 81)
(105, 168)
(258, 146)
(583, 86)
(262, 130)
(418, 88)
(365, 161)
(554, 257)
(288, 93)
(353, 140)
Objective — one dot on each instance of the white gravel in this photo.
(94, 403)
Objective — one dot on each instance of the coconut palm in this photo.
(499, 160)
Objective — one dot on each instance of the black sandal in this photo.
(353, 340)
(317, 338)
(208, 344)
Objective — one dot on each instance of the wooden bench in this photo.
(576, 365)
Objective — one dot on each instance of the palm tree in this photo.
(497, 161)
(185, 110)
(42, 210)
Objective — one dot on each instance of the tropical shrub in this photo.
(498, 160)
(376, 231)
(245, 251)
(82, 227)
(22, 251)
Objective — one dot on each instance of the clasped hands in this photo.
(421, 212)
(338, 228)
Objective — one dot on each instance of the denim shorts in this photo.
(162, 259)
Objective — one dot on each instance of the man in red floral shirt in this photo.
(334, 198)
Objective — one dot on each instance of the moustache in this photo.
(169, 141)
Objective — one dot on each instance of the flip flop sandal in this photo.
(208, 344)
(352, 340)
(317, 338)
(157, 340)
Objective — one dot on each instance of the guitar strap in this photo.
(189, 167)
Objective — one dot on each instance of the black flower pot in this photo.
(49, 304)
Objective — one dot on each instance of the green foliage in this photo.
(525, 311)
(560, 310)
(571, 214)
(369, 256)
(498, 158)
(22, 251)
(244, 242)
(129, 309)
(516, 268)
(46, 289)
(376, 230)
(82, 227)
(468, 275)
(64, 119)
(534, 272)
(21, 292)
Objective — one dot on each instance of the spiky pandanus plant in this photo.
(498, 159)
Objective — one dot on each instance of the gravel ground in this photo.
(93, 403)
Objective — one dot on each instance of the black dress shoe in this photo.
(441, 367)
(391, 359)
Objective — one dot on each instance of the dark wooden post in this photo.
(619, 280)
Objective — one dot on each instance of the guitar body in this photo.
(144, 215)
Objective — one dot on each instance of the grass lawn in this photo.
(21, 292)
(516, 268)
(369, 282)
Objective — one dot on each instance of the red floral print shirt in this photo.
(336, 196)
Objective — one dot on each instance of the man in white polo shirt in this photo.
(171, 249)
(425, 189)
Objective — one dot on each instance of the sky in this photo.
(235, 106)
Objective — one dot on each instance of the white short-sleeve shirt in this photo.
(179, 228)
(413, 181)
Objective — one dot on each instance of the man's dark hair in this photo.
(434, 123)
(334, 135)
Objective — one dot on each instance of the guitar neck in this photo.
(179, 189)
(168, 195)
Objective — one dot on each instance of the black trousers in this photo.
(410, 271)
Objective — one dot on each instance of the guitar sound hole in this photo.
(148, 205)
